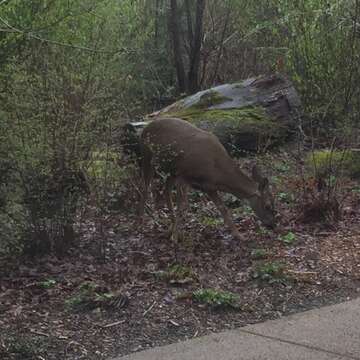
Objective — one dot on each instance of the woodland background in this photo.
(78, 278)
(72, 72)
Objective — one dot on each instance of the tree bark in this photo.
(189, 23)
(175, 33)
(156, 25)
(221, 46)
(193, 75)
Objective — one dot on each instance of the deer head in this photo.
(262, 202)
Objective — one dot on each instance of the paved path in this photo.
(331, 332)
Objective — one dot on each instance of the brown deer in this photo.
(190, 156)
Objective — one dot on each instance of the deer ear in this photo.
(262, 181)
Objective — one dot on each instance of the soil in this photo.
(151, 302)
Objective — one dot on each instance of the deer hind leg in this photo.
(147, 174)
(170, 181)
(184, 189)
(214, 196)
(181, 201)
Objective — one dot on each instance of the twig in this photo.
(113, 324)
(174, 323)
(58, 43)
(39, 333)
(149, 309)
(147, 207)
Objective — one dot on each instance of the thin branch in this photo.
(58, 43)
(3, 2)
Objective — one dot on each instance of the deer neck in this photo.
(242, 186)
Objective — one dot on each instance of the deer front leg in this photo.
(170, 181)
(182, 203)
(147, 174)
(214, 196)
(184, 190)
(181, 195)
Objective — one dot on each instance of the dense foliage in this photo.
(71, 72)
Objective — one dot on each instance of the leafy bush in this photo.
(288, 238)
(329, 163)
(47, 284)
(320, 188)
(90, 296)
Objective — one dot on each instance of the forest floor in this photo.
(126, 289)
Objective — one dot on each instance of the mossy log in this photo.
(254, 114)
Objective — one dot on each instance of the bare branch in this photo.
(54, 42)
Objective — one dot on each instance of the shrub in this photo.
(288, 238)
(335, 162)
(216, 298)
(272, 271)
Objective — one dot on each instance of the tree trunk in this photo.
(221, 46)
(189, 23)
(175, 33)
(193, 75)
(156, 25)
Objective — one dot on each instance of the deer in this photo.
(192, 157)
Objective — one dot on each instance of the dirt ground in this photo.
(126, 289)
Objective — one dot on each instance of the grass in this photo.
(88, 296)
(259, 254)
(282, 167)
(24, 347)
(272, 271)
(74, 302)
(245, 210)
(211, 221)
(47, 284)
(216, 298)
(176, 274)
(288, 238)
(334, 162)
(180, 272)
(261, 230)
(285, 197)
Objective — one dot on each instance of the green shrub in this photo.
(288, 238)
(211, 221)
(105, 164)
(270, 271)
(83, 297)
(216, 298)
(335, 162)
(176, 274)
(47, 284)
(23, 347)
(259, 254)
